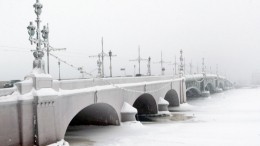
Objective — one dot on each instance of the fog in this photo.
(224, 32)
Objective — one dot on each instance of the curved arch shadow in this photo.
(145, 104)
(192, 92)
(221, 86)
(96, 114)
(172, 97)
(209, 87)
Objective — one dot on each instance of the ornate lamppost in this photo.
(181, 64)
(149, 66)
(38, 54)
(110, 57)
(203, 66)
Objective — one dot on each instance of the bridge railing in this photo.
(85, 83)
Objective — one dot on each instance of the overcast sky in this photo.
(224, 32)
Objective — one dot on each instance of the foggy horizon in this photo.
(224, 32)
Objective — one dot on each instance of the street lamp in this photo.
(110, 57)
(38, 63)
(181, 63)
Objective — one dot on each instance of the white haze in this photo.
(225, 32)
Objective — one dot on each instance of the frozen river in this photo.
(224, 119)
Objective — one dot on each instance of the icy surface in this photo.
(224, 119)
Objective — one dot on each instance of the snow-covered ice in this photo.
(127, 108)
(224, 119)
(60, 143)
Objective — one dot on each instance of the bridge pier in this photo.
(44, 97)
(218, 90)
(163, 105)
(128, 113)
(205, 93)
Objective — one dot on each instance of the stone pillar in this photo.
(163, 105)
(44, 95)
(128, 112)
(205, 93)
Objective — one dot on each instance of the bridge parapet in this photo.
(85, 83)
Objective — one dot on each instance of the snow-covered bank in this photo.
(229, 118)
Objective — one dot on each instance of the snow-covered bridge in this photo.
(205, 84)
(41, 109)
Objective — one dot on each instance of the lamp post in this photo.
(181, 63)
(38, 63)
(149, 66)
(134, 70)
(110, 57)
(45, 35)
(59, 70)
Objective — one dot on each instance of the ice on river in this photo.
(224, 119)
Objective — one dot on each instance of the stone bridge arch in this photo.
(172, 97)
(72, 107)
(94, 114)
(210, 87)
(145, 104)
(221, 85)
(193, 92)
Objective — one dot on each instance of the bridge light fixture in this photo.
(45, 32)
(38, 53)
(31, 29)
(38, 8)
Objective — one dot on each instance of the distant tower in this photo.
(139, 59)
(175, 65)
(162, 62)
(184, 66)
(102, 56)
(203, 65)
(149, 67)
(181, 64)
(191, 67)
(99, 66)
(110, 58)
(197, 68)
(162, 68)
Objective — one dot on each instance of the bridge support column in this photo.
(218, 90)
(163, 105)
(128, 112)
(45, 130)
(205, 93)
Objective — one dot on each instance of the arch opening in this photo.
(221, 86)
(209, 88)
(192, 92)
(145, 104)
(173, 98)
(99, 114)
(96, 114)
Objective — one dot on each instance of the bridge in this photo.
(39, 109)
